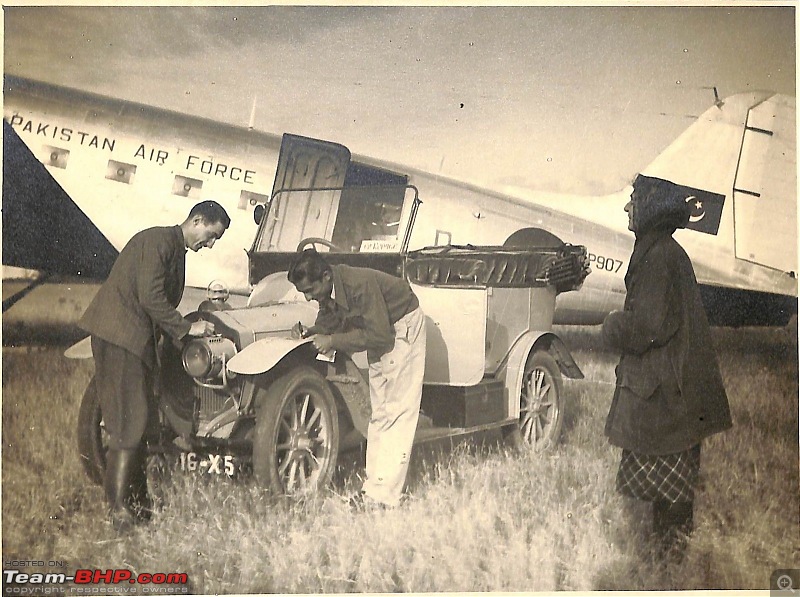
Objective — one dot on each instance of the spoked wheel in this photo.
(93, 443)
(541, 404)
(92, 436)
(297, 434)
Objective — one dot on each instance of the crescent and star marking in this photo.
(698, 205)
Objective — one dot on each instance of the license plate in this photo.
(211, 464)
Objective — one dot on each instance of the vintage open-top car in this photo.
(252, 398)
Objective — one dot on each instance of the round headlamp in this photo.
(217, 290)
(204, 358)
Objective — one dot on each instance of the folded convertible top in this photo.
(564, 267)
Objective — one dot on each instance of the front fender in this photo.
(347, 382)
(262, 355)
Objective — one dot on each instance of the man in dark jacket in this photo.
(669, 392)
(133, 307)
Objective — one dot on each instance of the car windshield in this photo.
(356, 219)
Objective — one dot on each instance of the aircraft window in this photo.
(249, 198)
(120, 171)
(55, 156)
(187, 187)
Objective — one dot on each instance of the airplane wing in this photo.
(43, 229)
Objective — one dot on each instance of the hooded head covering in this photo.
(657, 207)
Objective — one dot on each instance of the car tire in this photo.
(296, 441)
(541, 398)
(92, 440)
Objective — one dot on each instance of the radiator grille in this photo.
(209, 402)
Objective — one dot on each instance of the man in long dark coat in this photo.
(669, 392)
(133, 307)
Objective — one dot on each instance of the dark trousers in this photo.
(124, 385)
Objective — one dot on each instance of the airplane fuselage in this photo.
(129, 166)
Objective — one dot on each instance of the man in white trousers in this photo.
(365, 309)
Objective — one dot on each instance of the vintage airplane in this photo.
(83, 173)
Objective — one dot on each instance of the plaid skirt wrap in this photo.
(668, 477)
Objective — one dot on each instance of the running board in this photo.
(430, 434)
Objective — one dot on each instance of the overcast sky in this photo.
(572, 99)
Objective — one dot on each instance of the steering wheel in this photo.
(311, 240)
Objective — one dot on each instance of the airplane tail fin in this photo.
(737, 165)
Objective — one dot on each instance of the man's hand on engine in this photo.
(201, 328)
(298, 331)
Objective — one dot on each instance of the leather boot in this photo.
(117, 485)
(140, 502)
(672, 525)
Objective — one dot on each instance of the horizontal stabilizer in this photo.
(43, 229)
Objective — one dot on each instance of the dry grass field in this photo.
(479, 517)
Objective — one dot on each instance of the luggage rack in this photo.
(469, 266)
